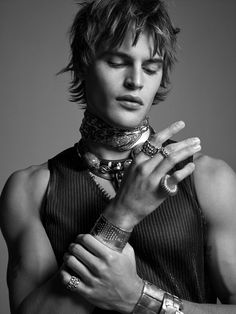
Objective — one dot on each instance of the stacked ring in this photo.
(73, 283)
(163, 152)
(169, 190)
(149, 149)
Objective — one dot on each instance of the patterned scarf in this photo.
(98, 131)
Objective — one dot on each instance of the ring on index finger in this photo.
(73, 283)
(149, 149)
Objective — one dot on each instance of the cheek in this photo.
(152, 88)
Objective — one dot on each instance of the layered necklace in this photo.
(95, 130)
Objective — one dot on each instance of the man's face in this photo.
(121, 83)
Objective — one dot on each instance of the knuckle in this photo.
(170, 148)
(189, 141)
(189, 149)
(83, 239)
(159, 137)
(86, 238)
(172, 158)
(177, 125)
(141, 170)
(73, 247)
(62, 277)
(68, 259)
(110, 258)
(137, 160)
(79, 238)
(101, 269)
(176, 176)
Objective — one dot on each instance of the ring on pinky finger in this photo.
(69, 281)
(73, 283)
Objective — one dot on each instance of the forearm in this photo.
(120, 217)
(53, 298)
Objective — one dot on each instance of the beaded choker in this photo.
(112, 170)
(95, 130)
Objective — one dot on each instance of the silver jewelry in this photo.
(162, 150)
(73, 283)
(150, 300)
(110, 235)
(170, 190)
(98, 131)
(112, 170)
(149, 149)
(171, 304)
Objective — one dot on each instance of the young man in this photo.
(122, 182)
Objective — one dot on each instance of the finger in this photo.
(86, 257)
(78, 268)
(152, 163)
(167, 133)
(171, 148)
(94, 246)
(181, 174)
(65, 277)
(157, 139)
(175, 157)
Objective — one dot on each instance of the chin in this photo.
(125, 121)
(125, 124)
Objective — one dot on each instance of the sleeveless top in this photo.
(169, 243)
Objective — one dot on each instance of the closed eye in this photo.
(116, 64)
(153, 67)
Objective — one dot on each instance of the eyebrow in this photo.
(124, 55)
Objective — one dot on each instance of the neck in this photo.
(109, 140)
(106, 152)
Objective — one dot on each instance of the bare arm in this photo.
(32, 269)
(216, 187)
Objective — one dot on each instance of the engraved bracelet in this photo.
(110, 235)
(171, 304)
(150, 301)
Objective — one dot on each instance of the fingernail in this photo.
(180, 123)
(196, 140)
(197, 147)
(192, 165)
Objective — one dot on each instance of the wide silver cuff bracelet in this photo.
(109, 234)
(150, 301)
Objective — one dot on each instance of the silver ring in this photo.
(169, 190)
(73, 283)
(163, 152)
(149, 149)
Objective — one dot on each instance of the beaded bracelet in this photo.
(109, 234)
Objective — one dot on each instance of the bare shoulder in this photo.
(212, 168)
(215, 183)
(22, 197)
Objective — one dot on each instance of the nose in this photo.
(134, 79)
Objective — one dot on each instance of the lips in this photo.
(130, 98)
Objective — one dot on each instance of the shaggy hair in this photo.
(106, 22)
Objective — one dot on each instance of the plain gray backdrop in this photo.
(38, 121)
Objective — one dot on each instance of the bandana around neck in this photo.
(96, 130)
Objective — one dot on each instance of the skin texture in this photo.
(36, 285)
(128, 69)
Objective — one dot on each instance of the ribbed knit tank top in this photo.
(168, 244)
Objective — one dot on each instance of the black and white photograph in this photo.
(118, 157)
